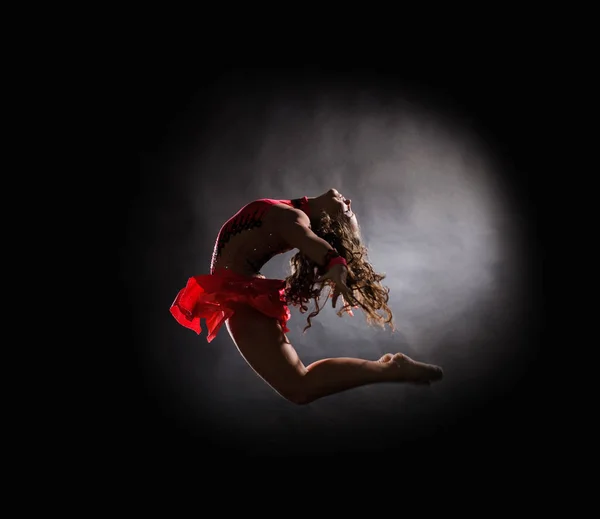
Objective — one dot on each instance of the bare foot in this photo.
(409, 370)
(386, 358)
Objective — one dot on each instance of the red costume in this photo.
(209, 296)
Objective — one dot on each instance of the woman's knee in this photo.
(298, 397)
(266, 349)
(299, 393)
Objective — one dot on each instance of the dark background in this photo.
(170, 109)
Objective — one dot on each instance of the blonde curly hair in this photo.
(371, 295)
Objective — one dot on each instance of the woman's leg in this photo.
(267, 350)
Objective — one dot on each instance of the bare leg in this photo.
(267, 350)
(332, 375)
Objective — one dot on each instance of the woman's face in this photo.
(340, 206)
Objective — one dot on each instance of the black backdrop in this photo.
(167, 105)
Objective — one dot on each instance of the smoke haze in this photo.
(440, 214)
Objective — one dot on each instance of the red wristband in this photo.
(336, 261)
(333, 258)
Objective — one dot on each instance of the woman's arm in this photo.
(294, 227)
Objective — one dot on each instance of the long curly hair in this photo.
(371, 295)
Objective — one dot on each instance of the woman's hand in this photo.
(338, 274)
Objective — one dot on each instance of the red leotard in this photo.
(209, 296)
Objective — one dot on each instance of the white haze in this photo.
(429, 198)
(424, 190)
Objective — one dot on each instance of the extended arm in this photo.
(294, 227)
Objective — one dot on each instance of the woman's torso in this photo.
(249, 239)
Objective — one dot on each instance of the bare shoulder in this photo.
(284, 216)
(287, 215)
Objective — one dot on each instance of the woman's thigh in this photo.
(266, 348)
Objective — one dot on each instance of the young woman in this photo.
(330, 256)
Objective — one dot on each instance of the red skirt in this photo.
(209, 297)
